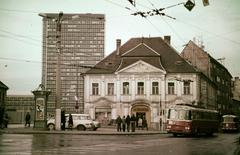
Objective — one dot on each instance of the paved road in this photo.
(161, 144)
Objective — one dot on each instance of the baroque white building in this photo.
(142, 77)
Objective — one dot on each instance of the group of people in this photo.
(131, 122)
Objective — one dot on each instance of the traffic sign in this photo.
(189, 5)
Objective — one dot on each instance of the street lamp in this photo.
(58, 70)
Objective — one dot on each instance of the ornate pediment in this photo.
(103, 102)
(141, 67)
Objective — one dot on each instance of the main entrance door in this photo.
(140, 110)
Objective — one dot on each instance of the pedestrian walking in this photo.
(123, 123)
(133, 122)
(137, 117)
(145, 124)
(119, 122)
(140, 123)
(6, 120)
(27, 119)
(1, 117)
(128, 119)
(70, 121)
(63, 120)
(160, 122)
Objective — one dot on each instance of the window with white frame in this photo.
(140, 88)
(171, 88)
(186, 87)
(155, 88)
(95, 89)
(110, 88)
(125, 88)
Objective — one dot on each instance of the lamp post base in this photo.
(58, 119)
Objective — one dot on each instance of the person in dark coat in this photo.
(6, 120)
(145, 124)
(27, 119)
(63, 120)
(119, 122)
(70, 121)
(128, 119)
(133, 122)
(123, 123)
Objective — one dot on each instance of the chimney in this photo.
(167, 39)
(118, 45)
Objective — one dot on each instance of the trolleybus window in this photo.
(179, 114)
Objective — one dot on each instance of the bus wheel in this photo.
(210, 133)
(175, 134)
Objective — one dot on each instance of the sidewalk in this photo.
(20, 129)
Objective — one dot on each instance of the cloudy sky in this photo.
(217, 26)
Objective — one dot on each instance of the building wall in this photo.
(214, 70)
(196, 57)
(82, 44)
(222, 78)
(3, 93)
(17, 106)
(154, 106)
(236, 88)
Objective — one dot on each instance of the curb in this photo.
(21, 131)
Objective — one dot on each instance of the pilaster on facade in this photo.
(146, 78)
(118, 89)
(102, 86)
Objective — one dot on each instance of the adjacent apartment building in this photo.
(81, 45)
(144, 76)
(214, 70)
(236, 96)
(236, 88)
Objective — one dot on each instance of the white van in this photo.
(80, 122)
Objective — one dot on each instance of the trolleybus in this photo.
(186, 119)
(230, 123)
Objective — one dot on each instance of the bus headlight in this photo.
(187, 128)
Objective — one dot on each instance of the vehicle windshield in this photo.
(179, 114)
(229, 119)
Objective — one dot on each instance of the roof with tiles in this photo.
(154, 51)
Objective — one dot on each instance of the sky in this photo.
(216, 26)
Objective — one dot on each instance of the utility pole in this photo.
(58, 74)
(58, 92)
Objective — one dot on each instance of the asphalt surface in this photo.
(111, 130)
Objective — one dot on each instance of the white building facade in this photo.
(134, 79)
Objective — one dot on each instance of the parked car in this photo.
(80, 122)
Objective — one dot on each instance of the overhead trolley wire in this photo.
(209, 32)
